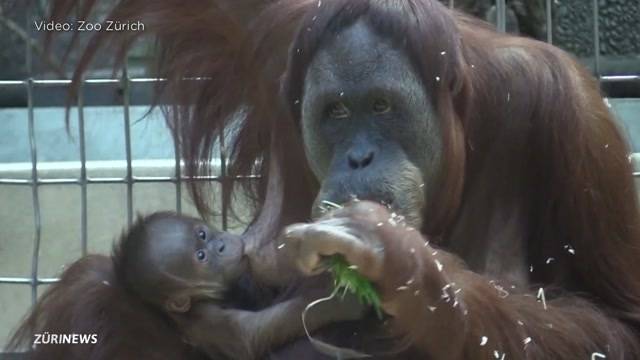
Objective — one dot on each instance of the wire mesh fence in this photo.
(35, 183)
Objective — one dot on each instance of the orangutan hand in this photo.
(377, 243)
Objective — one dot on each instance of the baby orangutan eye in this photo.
(202, 235)
(201, 255)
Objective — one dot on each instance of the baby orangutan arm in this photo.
(241, 334)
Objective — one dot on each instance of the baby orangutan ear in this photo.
(178, 303)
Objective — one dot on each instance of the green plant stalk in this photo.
(348, 279)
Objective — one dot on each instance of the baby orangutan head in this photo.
(169, 261)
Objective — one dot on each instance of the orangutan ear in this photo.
(178, 303)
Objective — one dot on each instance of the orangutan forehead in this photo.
(359, 56)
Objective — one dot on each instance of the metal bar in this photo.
(56, 82)
(35, 256)
(83, 174)
(84, 81)
(225, 180)
(43, 82)
(549, 22)
(147, 80)
(619, 78)
(106, 180)
(127, 135)
(99, 80)
(178, 170)
(19, 182)
(40, 83)
(28, 49)
(27, 281)
(8, 83)
(452, 4)
(501, 15)
(596, 36)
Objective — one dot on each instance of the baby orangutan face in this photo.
(191, 260)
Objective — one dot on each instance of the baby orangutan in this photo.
(171, 261)
(173, 288)
(198, 276)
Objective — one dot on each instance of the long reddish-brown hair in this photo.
(528, 142)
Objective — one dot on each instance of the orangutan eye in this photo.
(201, 255)
(381, 106)
(202, 235)
(338, 110)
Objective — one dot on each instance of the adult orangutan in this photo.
(498, 149)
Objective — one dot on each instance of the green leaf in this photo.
(348, 279)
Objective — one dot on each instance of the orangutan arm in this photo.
(447, 311)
